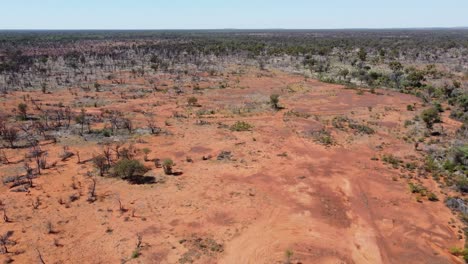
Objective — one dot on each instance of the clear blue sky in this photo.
(211, 14)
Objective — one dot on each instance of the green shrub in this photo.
(390, 159)
(146, 151)
(23, 110)
(192, 101)
(339, 122)
(449, 166)
(417, 188)
(459, 155)
(430, 117)
(274, 101)
(408, 123)
(460, 252)
(411, 166)
(430, 164)
(323, 137)
(438, 106)
(135, 254)
(167, 166)
(362, 129)
(462, 183)
(432, 197)
(295, 113)
(106, 132)
(127, 169)
(241, 126)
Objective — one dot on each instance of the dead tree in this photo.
(82, 120)
(101, 164)
(138, 247)
(39, 256)
(127, 123)
(29, 129)
(68, 116)
(92, 191)
(139, 241)
(3, 158)
(10, 134)
(5, 216)
(5, 241)
(66, 154)
(36, 203)
(108, 154)
(29, 174)
(114, 118)
(155, 130)
(121, 207)
(40, 158)
(117, 149)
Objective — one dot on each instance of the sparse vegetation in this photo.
(323, 137)
(241, 126)
(23, 111)
(274, 101)
(392, 160)
(167, 166)
(100, 96)
(430, 117)
(127, 169)
(192, 101)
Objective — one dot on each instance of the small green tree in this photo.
(241, 126)
(81, 119)
(414, 78)
(97, 86)
(167, 166)
(397, 74)
(192, 101)
(462, 101)
(274, 101)
(344, 73)
(430, 117)
(362, 54)
(23, 110)
(395, 66)
(100, 162)
(146, 151)
(44, 88)
(127, 169)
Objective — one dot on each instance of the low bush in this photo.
(362, 129)
(417, 188)
(241, 126)
(127, 169)
(323, 137)
(432, 197)
(192, 101)
(167, 166)
(393, 160)
(430, 117)
(274, 101)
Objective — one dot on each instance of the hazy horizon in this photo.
(243, 14)
(235, 29)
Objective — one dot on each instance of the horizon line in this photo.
(218, 29)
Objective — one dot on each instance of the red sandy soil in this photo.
(323, 204)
